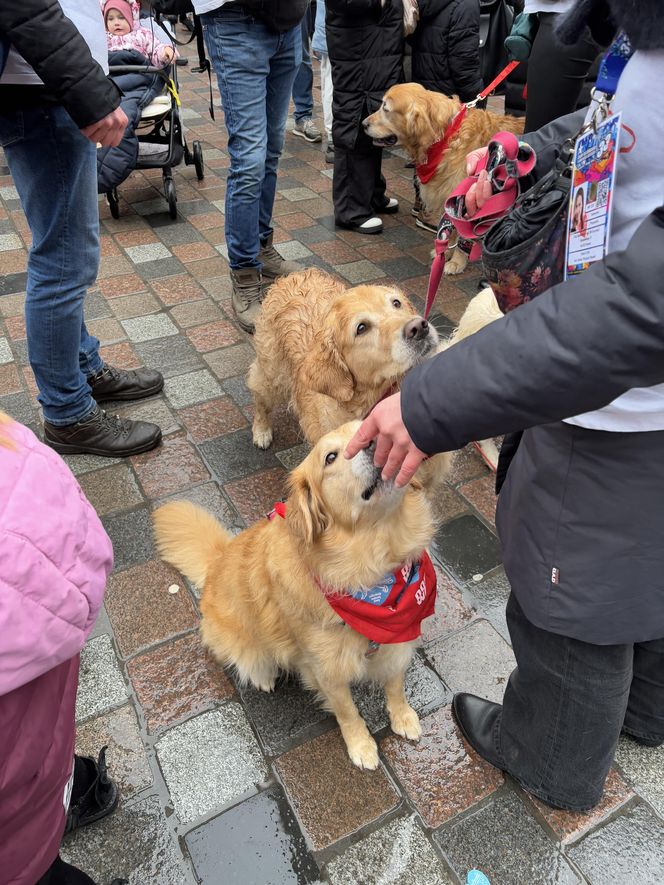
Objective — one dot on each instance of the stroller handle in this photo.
(139, 69)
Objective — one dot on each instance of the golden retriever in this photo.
(262, 605)
(415, 118)
(331, 352)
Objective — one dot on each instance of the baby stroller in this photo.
(159, 131)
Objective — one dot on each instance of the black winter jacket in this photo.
(365, 43)
(51, 44)
(446, 47)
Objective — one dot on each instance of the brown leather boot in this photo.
(102, 434)
(247, 296)
(273, 263)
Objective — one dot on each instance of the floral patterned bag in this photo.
(524, 253)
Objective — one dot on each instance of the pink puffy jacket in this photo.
(54, 560)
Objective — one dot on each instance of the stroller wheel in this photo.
(172, 197)
(113, 202)
(198, 160)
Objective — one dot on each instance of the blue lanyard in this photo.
(613, 64)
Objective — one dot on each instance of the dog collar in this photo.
(391, 611)
(436, 152)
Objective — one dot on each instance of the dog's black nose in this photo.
(416, 329)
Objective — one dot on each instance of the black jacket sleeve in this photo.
(547, 140)
(463, 49)
(571, 350)
(53, 46)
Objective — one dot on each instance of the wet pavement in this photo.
(220, 783)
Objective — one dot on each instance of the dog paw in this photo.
(456, 264)
(364, 753)
(266, 685)
(262, 438)
(407, 724)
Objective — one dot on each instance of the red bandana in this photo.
(393, 610)
(425, 171)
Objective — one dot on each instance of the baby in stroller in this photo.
(130, 43)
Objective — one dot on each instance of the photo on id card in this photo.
(591, 198)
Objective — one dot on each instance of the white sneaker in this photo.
(372, 225)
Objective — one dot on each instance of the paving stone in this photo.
(292, 250)
(125, 284)
(402, 268)
(192, 313)
(237, 388)
(10, 241)
(156, 325)
(176, 681)
(154, 410)
(448, 504)
(290, 458)
(234, 456)
(285, 717)
(125, 756)
(359, 271)
(148, 252)
(451, 612)
(134, 843)
(568, 826)
(397, 854)
(141, 609)
(644, 767)
(476, 659)
(490, 596)
(209, 761)
(6, 355)
(212, 419)
(81, 464)
(481, 493)
(331, 797)
(112, 489)
(442, 776)
(176, 289)
(131, 535)
(194, 387)
(100, 683)
(165, 267)
(625, 851)
(423, 690)
(213, 335)
(173, 466)
(210, 497)
(12, 305)
(255, 495)
(295, 194)
(466, 547)
(171, 356)
(131, 306)
(10, 381)
(506, 844)
(230, 361)
(274, 849)
(466, 464)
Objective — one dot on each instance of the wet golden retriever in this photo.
(331, 352)
(262, 606)
(415, 118)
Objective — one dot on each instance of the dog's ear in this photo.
(324, 369)
(419, 130)
(305, 510)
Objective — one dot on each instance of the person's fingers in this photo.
(473, 159)
(383, 448)
(367, 431)
(484, 191)
(471, 201)
(394, 461)
(409, 466)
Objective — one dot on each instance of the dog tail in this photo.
(188, 537)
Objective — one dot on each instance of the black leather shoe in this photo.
(125, 384)
(103, 434)
(99, 799)
(476, 717)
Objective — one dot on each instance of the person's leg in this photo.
(61, 873)
(357, 182)
(240, 49)
(283, 69)
(304, 78)
(556, 74)
(644, 720)
(563, 710)
(54, 169)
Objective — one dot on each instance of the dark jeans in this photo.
(556, 74)
(61, 873)
(358, 186)
(565, 705)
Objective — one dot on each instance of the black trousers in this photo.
(556, 74)
(358, 186)
(565, 705)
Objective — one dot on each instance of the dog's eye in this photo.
(396, 303)
(330, 458)
(362, 328)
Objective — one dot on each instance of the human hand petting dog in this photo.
(395, 451)
(480, 191)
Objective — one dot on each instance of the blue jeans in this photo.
(255, 70)
(54, 169)
(303, 98)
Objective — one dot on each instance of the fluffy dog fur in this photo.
(415, 118)
(262, 607)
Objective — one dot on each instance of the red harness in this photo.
(436, 152)
(394, 609)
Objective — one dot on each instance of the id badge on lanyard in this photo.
(594, 168)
